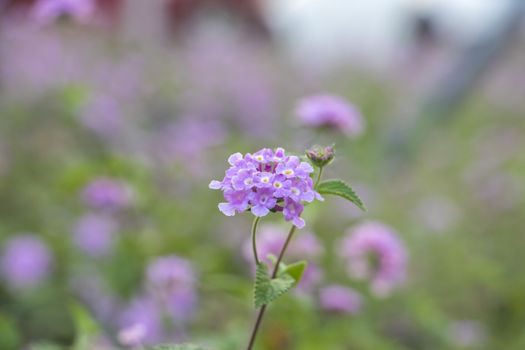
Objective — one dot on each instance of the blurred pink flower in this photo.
(373, 251)
(337, 298)
(330, 111)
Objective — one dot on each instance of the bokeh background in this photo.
(116, 114)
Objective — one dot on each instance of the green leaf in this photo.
(177, 347)
(44, 346)
(282, 265)
(341, 189)
(86, 327)
(296, 271)
(266, 289)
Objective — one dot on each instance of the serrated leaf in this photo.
(296, 271)
(267, 289)
(341, 189)
(177, 347)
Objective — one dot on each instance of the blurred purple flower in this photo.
(467, 333)
(188, 138)
(373, 251)
(330, 111)
(46, 11)
(337, 298)
(133, 335)
(437, 214)
(143, 312)
(26, 261)
(103, 116)
(239, 86)
(93, 290)
(270, 240)
(107, 194)
(171, 280)
(94, 234)
(34, 60)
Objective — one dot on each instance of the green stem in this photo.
(319, 174)
(262, 310)
(283, 250)
(254, 239)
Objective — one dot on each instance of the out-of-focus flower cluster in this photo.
(26, 261)
(267, 181)
(168, 302)
(328, 111)
(373, 251)
(94, 233)
(370, 251)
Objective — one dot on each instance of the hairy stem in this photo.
(262, 310)
(254, 239)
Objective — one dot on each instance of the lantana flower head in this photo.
(267, 181)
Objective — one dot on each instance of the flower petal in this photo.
(260, 210)
(298, 222)
(227, 209)
(234, 158)
(215, 185)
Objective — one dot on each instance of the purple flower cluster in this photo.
(267, 181)
(332, 112)
(26, 261)
(373, 251)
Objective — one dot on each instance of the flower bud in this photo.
(321, 156)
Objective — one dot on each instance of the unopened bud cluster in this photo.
(321, 156)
